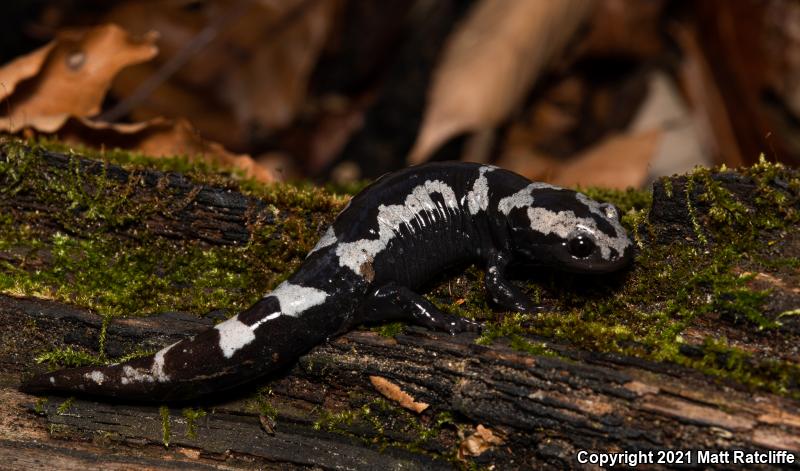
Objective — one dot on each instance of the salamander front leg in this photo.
(393, 302)
(500, 289)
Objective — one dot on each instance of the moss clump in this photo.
(510, 326)
(789, 313)
(64, 407)
(38, 406)
(626, 200)
(408, 431)
(192, 416)
(261, 404)
(122, 277)
(165, 428)
(67, 357)
(721, 359)
(90, 263)
(339, 421)
(698, 229)
(391, 330)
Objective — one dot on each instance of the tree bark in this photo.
(541, 409)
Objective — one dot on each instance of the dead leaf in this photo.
(713, 116)
(640, 388)
(268, 424)
(782, 52)
(251, 79)
(190, 453)
(23, 68)
(527, 161)
(175, 99)
(393, 392)
(160, 137)
(479, 442)
(625, 28)
(68, 77)
(680, 148)
(619, 161)
(490, 63)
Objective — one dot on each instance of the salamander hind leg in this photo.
(393, 302)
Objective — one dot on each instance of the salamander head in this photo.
(566, 230)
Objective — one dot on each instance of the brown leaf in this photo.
(625, 28)
(529, 162)
(479, 442)
(393, 392)
(680, 148)
(490, 63)
(160, 137)
(273, 85)
(23, 68)
(619, 161)
(173, 98)
(713, 114)
(252, 78)
(736, 71)
(69, 77)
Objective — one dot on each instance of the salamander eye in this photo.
(581, 246)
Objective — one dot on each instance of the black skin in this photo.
(501, 291)
(384, 288)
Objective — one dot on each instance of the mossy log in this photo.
(538, 396)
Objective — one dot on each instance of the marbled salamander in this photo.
(391, 239)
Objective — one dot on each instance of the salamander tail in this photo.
(233, 352)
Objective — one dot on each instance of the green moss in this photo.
(165, 428)
(38, 406)
(720, 359)
(115, 277)
(511, 327)
(331, 421)
(625, 200)
(726, 211)
(178, 163)
(94, 262)
(698, 230)
(67, 357)
(263, 404)
(391, 330)
(636, 220)
(775, 263)
(192, 416)
(732, 298)
(349, 188)
(92, 265)
(789, 313)
(64, 407)
(409, 431)
(642, 313)
(101, 338)
(667, 186)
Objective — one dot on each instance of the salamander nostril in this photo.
(610, 211)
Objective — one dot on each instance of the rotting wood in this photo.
(583, 402)
(546, 407)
